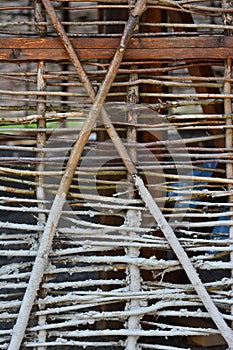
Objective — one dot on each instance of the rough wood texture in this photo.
(15, 49)
(112, 280)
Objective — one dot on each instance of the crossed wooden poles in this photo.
(60, 198)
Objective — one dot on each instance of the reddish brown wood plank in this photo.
(138, 54)
(108, 43)
(17, 49)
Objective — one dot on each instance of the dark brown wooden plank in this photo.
(88, 54)
(17, 49)
(108, 43)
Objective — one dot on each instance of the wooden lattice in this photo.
(116, 175)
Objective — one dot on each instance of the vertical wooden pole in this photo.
(133, 218)
(39, 16)
(228, 20)
(229, 144)
(40, 193)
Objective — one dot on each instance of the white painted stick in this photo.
(217, 317)
(38, 270)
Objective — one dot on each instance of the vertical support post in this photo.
(228, 20)
(40, 192)
(39, 16)
(41, 142)
(133, 218)
(229, 143)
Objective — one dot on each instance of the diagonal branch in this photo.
(191, 272)
(59, 201)
(106, 85)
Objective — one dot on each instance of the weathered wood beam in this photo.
(21, 49)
